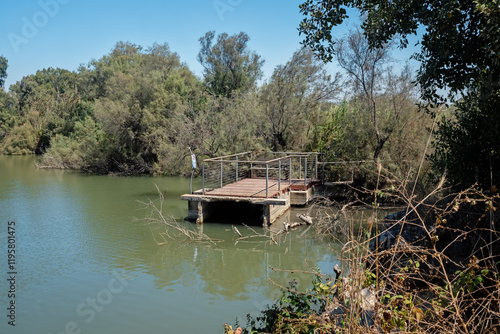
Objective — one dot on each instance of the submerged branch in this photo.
(156, 216)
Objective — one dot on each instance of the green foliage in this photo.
(400, 313)
(470, 280)
(131, 96)
(21, 140)
(467, 145)
(46, 104)
(459, 55)
(294, 312)
(229, 66)
(384, 97)
(370, 278)
(321, 17)
(330, 133)
(7, 119)
(292, 100)
(3, 71)
(347, 134)
(137, 110)
(456, 44)
(83, 149)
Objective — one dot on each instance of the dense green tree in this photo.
(3, 71)
(82, 149)
(292, 98)
(143, 96)
(123, 113)
(47, 104)
(8, 105)
(229, 66)
(138, 110)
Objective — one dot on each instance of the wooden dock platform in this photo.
(256, 188)
(281, 195)
(249, 188)
(269, 186)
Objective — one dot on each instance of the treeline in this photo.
(138, 110)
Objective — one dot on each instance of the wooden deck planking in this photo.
(249, 188)
(256, 187)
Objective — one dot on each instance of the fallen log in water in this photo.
(289, 226)
(306, 219)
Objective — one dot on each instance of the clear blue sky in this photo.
(37, 34)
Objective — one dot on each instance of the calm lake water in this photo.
(84, 264)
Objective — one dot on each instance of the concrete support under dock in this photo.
(301, 197)
(273, 212)
(201, 207)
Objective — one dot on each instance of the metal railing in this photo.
(277, 168)
(343, 172)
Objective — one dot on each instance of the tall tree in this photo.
(229, 65)
(459, 53)
(459, 44)
(292, 96)
(383, 94)
(48, 104)
(3, 71)
(365, 67)
(144, 96)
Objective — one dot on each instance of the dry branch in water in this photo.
(173, 229)
(235, 229)
(267, 235)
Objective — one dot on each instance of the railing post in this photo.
(300, 167)
(312, 168)
(236, 168)
(267, 180)
(305, 171)
(316, 168)
(203, 178)
(251, 165)
(221, 173)
(279, 175)
(323, 171)
(290, 171)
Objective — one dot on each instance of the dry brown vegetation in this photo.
(433, 267)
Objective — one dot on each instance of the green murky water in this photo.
(84, 264)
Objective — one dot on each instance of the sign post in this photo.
(193, 165)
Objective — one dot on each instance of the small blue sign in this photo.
(193, 160)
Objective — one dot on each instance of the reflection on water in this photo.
(77, 238)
